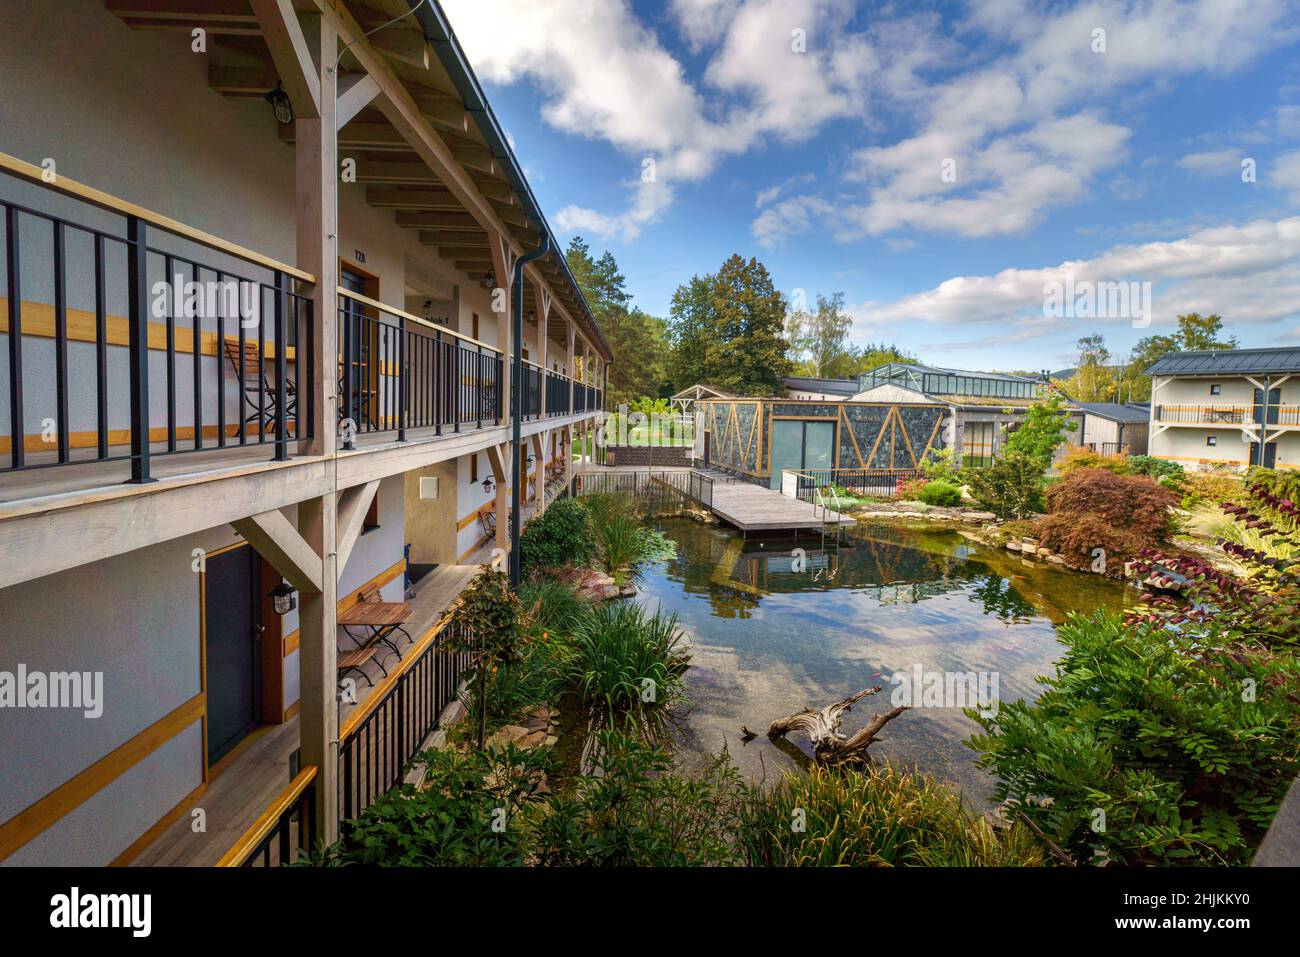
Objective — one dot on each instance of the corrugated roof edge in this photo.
(438, 31)
(1172, 363)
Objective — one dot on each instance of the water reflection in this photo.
(778, 625)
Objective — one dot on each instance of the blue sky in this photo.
(938, 163)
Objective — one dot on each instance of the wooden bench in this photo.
(353, 660)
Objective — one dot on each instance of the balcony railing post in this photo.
(402, 380)
(348, 346)
(281, 373)
(17, 431)
(137, 260)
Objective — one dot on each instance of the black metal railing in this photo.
(863, 483)
(376, 747)
(558, 390)
(531, 396)
(215, 351)
(286, 831)
(398, 372)
(656, 489)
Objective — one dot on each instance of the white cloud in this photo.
(1026, 131)
(1026, 128)
(1212, 162)
(1286, 175)
(604, 75)
(1249, 274)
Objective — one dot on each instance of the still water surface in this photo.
(768, 640)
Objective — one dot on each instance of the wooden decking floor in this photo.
(259, 772)
(752, 508)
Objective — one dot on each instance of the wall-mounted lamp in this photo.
(488, 484)
(281, 104)
(428, 309)
(490, 280)
(284, 598)
(531, 460)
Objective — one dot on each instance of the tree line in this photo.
(734, 330)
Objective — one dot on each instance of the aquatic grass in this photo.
(877, 816)
(624, 666)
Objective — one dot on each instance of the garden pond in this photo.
(777, 625)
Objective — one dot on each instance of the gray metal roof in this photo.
(1235, 361)
(829, 386)
(1116, 412)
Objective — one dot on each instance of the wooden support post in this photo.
(503, 266)
(539, 452)
(316, 169)
(498, 459)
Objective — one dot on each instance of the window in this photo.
(473, 325)
(372, 516)
(473, 468)
(1215, 389)
(1211, 440)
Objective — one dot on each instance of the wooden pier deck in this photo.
(752, 508)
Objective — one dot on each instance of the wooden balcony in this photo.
(1228, 415)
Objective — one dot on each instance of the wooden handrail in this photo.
(89, 194)
(267, 820)
(394, 311)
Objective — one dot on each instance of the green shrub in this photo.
(449, 822)
(1155, 467)
(1078, 457)
(939, 492)
(1011, 487)
(940, 465)
(488, 625)
(879, 816)
(632, 812)
(1148, 747)
(1041, 431)
(560, 535)
(624, 666)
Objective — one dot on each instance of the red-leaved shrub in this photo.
(1093, 509)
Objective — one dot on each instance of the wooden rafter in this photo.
(290, 54)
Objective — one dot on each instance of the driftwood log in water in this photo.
(823, 729)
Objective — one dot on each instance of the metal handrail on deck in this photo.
(204, 320)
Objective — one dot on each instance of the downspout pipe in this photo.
(516, 403)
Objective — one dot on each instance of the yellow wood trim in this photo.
(394, 311)
(938, 420)
(38, 320)
(268, 819)
(291, 711)
(907, 442)
(163, 823)
(879, 435)
(412, 655)
(71, 187)
(67, 797)
(862, 463)
(473, 516)
(290, 641)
